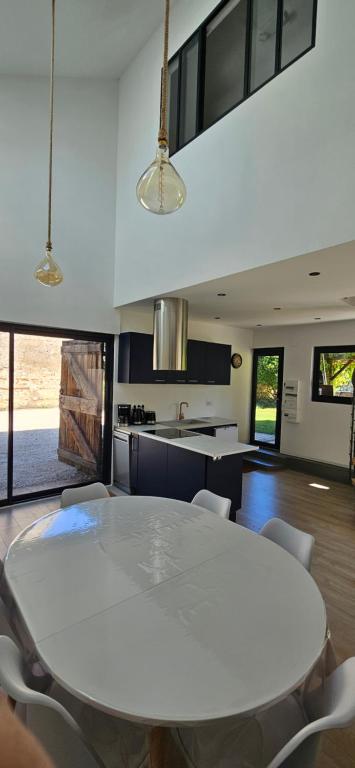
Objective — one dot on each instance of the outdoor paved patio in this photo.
(36, 465)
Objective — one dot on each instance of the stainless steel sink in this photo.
(183, 423)
(191, 421)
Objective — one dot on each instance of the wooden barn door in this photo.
(81, 405)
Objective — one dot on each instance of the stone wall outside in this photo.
(37, 371)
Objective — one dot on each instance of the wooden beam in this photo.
(78, 374)
(84, 449)
(74, 460)
(80, 405)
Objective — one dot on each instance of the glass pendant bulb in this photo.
(160, 189)
(48, 273)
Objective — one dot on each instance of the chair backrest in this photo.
(91, 492)
(214, 503)
(296, 542)
(54, 727)
(332, 705)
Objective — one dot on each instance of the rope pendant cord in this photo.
(163, 131)
(51, 109)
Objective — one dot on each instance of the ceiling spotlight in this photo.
(217, 318)
(259, 325)
(221, 294)
(313, 274)
(276, 309)
(317, 318)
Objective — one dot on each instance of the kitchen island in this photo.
(170, 463)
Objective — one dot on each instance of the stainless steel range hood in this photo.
(170, 334)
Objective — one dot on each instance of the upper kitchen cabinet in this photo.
(135, 362)
(217, 363)
(207, 363)
(196, 362)
(135, 358)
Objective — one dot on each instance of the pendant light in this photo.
(48, 273)
(160, 189)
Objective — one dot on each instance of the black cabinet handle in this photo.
(160, 381)
(193, 381)
(212, 381)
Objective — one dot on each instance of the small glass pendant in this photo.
(160, 189)
(48, 273)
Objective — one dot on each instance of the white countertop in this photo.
(204, 421)
(164, 613)
(215, 447)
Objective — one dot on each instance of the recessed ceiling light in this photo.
(221, 294)
(217, 318)
(259, 325)
(277, 308)
(317, 318)
(313, 274)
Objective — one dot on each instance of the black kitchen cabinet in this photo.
(135, 360)
(135, 355)
(186, 472)
(207, 363)
(217, 363)
(152, 467)
(205, 431)
(196, 362)
(171, 471)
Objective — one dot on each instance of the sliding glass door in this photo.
(267, 382)
(55, 410)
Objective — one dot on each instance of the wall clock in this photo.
(237, 360)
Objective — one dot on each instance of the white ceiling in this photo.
(252, 295)
(96, 38)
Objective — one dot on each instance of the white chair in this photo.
(290, 732)
(213, 503)
(91, 492)
(296, 542)
(45, 717)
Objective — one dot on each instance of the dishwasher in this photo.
(124, 454)
(228, 433)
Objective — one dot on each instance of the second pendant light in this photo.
(160, 189)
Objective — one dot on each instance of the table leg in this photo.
(157, 751)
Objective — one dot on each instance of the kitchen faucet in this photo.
(181, 414)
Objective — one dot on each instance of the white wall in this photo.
(229, 401)
(323, 432)
(272, 180)
(85, 153)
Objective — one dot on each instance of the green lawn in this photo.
(265, 420)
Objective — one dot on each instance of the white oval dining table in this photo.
(160, 612)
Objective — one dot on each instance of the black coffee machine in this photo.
(123, 414)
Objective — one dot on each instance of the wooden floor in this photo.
(328, 514)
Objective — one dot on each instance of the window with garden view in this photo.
(333, 374)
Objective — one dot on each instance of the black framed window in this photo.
(189, 91)
(263, 42)
(240, 47)
(225, 37)
(333, 369)
(174, 78)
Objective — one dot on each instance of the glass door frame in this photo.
(260, 352)
(35, 330)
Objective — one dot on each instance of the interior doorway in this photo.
(266, 402)
(55, 410)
